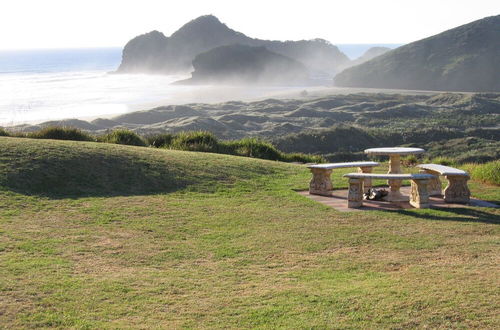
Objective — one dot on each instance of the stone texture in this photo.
(421, 181)
(338, 201)
(457, 190)
(367, 183)
(434, 186)
(394, 154)
(355, 194)
(419, 196)
(321, 183)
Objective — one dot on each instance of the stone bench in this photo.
(321, 183)
(456, 191)
(419, 196)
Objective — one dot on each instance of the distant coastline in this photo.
(34, 61)
(52, 84)
(353, 51)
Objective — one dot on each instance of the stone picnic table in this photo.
(394, 154)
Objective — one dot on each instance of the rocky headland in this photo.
(153, 52)
(239, 64)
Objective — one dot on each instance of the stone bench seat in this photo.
(456, 191)
(321, 183)
(419, 196)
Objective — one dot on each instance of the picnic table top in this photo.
(342, 165)
(394, 151)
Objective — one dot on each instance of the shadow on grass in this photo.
(453, 214)
(96, 176)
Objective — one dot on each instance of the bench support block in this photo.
(355, 194)
(395, 184)
(419, 195)
(457, 190)
(434, 184)
(367, 182)
(321, 183)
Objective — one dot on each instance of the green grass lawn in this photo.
(111, 236)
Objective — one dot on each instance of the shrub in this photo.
(3, 132)
(443, 161)
(123, 136)
(61, 133)
(489, 172)
(301, 158)
(252, 147)
(409, 161)
(160, 140)
(195, 141)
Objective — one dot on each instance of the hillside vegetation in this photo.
(461, 126)
(97, 235)
(189, 141)
(466, 58)
(344, 143)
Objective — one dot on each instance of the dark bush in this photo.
(252, 147)
(195, 141)
(3, 132)
(61, 133)
(446, 161)
(302, 158)
(123, 136)
(160, 140)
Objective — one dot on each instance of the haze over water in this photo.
(41, 85)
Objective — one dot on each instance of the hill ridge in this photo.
(465, 58)
(149, 53)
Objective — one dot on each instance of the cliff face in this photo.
(466, 58)
(246, 64)
(153, 52)
(145, 53)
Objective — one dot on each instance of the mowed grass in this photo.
(110, 236)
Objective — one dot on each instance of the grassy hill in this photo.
(465, 58)
(69, 168)
(111, 236)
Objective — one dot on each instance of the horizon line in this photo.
(104, 47)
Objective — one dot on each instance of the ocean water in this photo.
(353, 51)
(42, 85)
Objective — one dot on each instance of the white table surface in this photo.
(394, 151)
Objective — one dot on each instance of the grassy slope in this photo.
(176, 239)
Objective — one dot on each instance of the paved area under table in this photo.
(339, 202)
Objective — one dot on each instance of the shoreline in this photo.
(220, 94)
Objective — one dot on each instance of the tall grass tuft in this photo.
(202, 141)
(3, 132)
(247, 147)
(61, 133)
(488, 172)
(301, 158)
(195, 141)
(123, 136)
(252, 147)
(163, 140)
(409, 161)
(446, 161)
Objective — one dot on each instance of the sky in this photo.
(31, 24)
